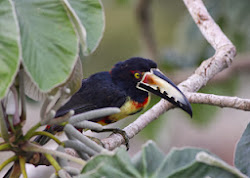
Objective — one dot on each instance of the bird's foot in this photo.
(119, 131)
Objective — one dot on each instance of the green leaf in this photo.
(242, 153)
(91, 15)
(49, 42)
(176, 160)
(151, 162)
(203, 165)
(149, 159)
(9, 49)
(110, 165)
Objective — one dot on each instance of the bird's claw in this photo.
(119, 131)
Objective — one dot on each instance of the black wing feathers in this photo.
(98, 91)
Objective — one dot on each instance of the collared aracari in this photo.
(127, 87)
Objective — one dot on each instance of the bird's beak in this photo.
(158, 84)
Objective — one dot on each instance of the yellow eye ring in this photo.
(137, 75)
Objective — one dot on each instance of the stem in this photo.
(145, 22)
(6, 162)
(4, 146)
(3, 125)
(45, 106)
(35, 148)
(22, 95)
(16, 119)
(47, 134)
(29, 134)
(61, 119)
(53, 162)
(22, 162)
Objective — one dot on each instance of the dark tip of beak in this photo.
(186, 107)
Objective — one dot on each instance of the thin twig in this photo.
(53, 162)
(22, 162)
(61, 119)
(47, 134)
(28, 135)
(3, 125)
(29, 147)
(22, 95)
(4, 146)
(7, 161)
(221, 101)
(144, 18)
(16, 119)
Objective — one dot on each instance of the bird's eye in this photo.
(137, 75)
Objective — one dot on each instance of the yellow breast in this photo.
(130, 107)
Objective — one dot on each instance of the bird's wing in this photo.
(96, 92)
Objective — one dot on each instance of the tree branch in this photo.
(223, 57)
(241, 65)
(221, 101)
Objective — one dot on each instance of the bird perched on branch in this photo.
(126, 86)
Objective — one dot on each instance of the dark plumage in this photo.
(110, 89)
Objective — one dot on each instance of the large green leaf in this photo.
(197, 163)
(242, 153)
(149, 159)
(91, 15)
(9, 52)
(186, 162)
(48, 39)
(151, 162)
(110, 165)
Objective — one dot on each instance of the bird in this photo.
(126, 86)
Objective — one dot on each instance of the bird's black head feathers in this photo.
(124, 75)
(133, 64)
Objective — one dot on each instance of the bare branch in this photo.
(144, 18)
(240, 65)
(225, 53)
(221, 101)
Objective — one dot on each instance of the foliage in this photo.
(45, 36)
(152, 162)
(242, 153)
(39, 56)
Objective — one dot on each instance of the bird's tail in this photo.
(42, 139)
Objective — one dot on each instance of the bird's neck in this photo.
(137, 95)
(130, 88)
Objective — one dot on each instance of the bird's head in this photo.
(138, 76)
